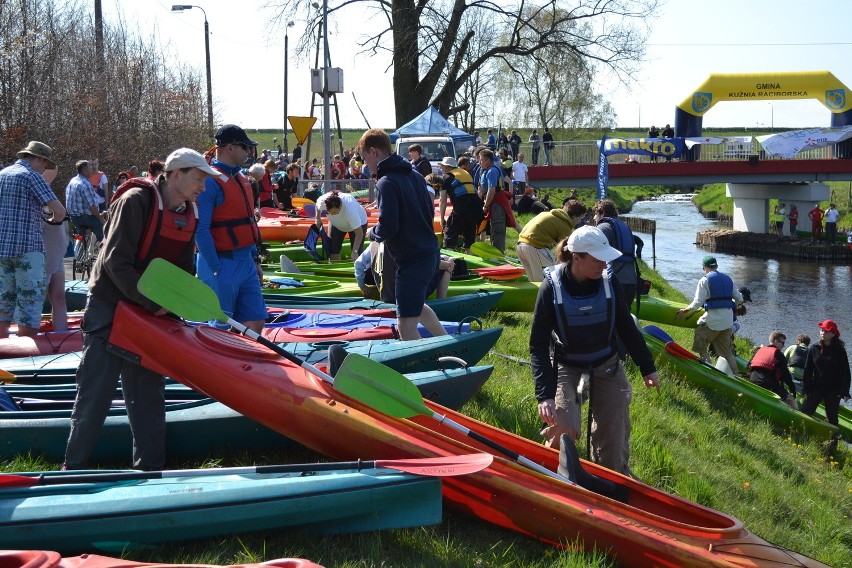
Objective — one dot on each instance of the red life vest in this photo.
(168, 233)
(266, 187)
(233, 224)
(765, 359)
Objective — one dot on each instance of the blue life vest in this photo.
(584, 326)
(461, 187)
(721, 291)
(623, 239)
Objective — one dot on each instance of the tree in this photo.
(433, 49)
(555, 89)
(135, 108)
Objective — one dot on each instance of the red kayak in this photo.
(651, 528)
(49, 559)
(50, 343)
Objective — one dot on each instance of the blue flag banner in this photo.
(665, 147)
(603, 170)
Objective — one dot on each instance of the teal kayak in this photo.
(738, 390)
(453, 308)
(199, 503)
(404, 356)
(195, 428)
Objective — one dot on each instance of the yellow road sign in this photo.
(302, 126)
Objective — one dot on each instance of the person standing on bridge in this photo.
(815, 215)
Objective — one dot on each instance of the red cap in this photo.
(829, 325)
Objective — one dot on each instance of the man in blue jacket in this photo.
(405, 225)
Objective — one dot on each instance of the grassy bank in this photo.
(685, 441)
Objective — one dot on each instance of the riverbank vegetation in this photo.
(686, 441)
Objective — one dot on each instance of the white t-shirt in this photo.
(519, 171)
(832, 215)
(352, 214)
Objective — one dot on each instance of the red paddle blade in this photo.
(9, 480)
(680, 351)
(444, 466)
(7, 377)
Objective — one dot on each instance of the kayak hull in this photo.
(112, 516)
(453, 308)
(52, 559)
(652, 529)
(663, 311)
(194, 428)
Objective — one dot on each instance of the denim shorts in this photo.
(413, 285)
(22, 288)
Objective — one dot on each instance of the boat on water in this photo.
(52, 559)
(116, 515)
(649, 528)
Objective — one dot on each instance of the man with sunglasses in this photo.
(228, 235)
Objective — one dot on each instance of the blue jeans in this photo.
(90, 222)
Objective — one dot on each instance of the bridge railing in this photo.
(580, 152)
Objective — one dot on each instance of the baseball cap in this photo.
(232, 134)
(189, 158)
(591, 240)
(709, 262)
(829, 325)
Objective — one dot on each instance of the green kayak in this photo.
(738, 391)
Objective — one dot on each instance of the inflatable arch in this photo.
(820, 85)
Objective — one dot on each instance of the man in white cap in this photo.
(578, 313)
(148, 219)
(23, 194)
(467, 206)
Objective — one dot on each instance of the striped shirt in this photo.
(23, 192)
(79, 196)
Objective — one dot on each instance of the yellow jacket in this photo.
(546, 229)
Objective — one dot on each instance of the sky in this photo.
(688, 42)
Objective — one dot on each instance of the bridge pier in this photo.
(751, 203)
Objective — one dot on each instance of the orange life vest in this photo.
(233, 224)
(168, 233)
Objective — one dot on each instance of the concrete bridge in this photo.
(752, 183)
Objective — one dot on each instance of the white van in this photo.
(435, 148)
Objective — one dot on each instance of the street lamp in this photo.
(181, 8)
(286, 64)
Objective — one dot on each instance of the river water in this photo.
(787, 295)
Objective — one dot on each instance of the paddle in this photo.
(657, 333)
(443, 466)
(394, 395)
(680, 351)
(486, 250)
(370, 382)
(7, 377)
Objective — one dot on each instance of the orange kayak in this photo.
(49, 559)
(652, 528)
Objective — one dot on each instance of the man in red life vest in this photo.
(148, 219)
(228, 235)
(768, 369)
(815, 215)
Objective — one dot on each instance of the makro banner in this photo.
(820, 85)
(666, 147)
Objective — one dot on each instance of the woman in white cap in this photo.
(578, 313)
(827, 377)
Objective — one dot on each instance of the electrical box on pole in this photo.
(335, 80)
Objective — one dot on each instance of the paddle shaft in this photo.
(515, 456)
(431, 467)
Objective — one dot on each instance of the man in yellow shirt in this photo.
(547, 229)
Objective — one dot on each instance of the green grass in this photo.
(686, 441)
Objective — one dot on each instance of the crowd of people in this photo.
(201, 213)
